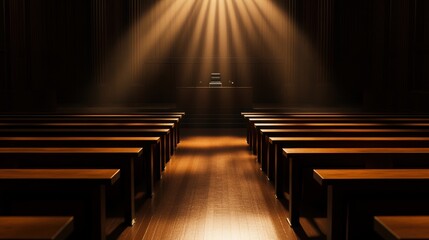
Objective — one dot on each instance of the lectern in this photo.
(215, 80)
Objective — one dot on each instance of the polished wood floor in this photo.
(212, 189)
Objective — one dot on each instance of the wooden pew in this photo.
(150, 145)
(265, 148)
(338, 120)
(331, 118)
(87, 125)
(55, 182)
(257, 126)
(328, 117)
(163, 133)
(355, 196)
(362, 122)
(90, 120)
(110, 117)
(73, 157)
(332, 114)
(292, 168)
(170, 137)
(96, 119)
(402, 227)
(279, 143)
(97, 122)
(128, 115)
(252, 119)
(35, 227)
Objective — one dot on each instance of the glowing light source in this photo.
(239, 38)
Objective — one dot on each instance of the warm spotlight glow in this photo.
(221, 195)
(240, 39)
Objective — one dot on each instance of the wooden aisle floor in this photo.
(212, 189)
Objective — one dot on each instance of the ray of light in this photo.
(127, 60)
(195, 46)
(204, 36)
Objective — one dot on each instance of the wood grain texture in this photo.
(88, 124)
(264, 124)
(387, 191)
(212, 189)
(283, 131)
(402, 227)
(101, 115)
(106, 139)
(84, 131)
(281, 119)
(303, 151)
(303, 139)
(35, 227)
(338, 175)
(110, 175)
(71, 150)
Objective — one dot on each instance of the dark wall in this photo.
(3, 55)
(53, 50)
(377, 51)
(48, 55)
(371, 54)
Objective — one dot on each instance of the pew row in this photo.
(333, 114)
(149, 145)
(279, 143)
(170, 137)
(299, 162)
(104, 117)
(58, 184)
(402, 227)
(163, 133)
(83, 158)
(35, 227)
(69, 122)
(257, 126)
(265, 148)
(355, 196)
(101, 115)
(333, 120)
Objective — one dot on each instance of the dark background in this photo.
(375, 53)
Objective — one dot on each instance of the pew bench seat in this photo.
(299, 162)
(336, 142)
(264, 147)
(165, 135)
(56, 182)
(402, 227)
(151, 146)
(254, 134)
(356, 195)
(84, 158)
(35, 227)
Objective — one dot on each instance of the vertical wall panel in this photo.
(311, 79)
(421, 47)
(418, 83)
(18, 57)
(98, 30)
(69, 47)
(3, 57)
(352, 49)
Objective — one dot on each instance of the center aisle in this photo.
(212, 189)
